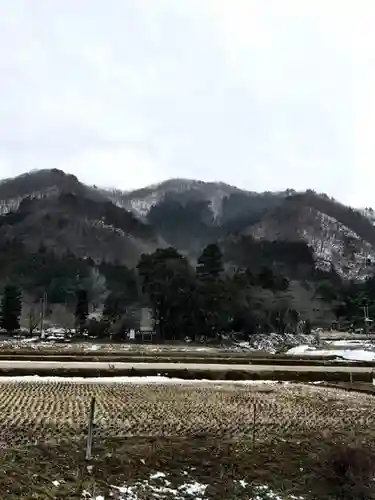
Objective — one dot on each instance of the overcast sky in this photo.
(262, 94)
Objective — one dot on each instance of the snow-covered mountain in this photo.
(185, 213)
(53, 209)
(339, 238)
(41, 184)
(142, 200)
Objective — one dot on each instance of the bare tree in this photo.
(62, 317)
(96, 286)
(34, 317)
(30, 317)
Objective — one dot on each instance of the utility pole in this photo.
(43, 301)
(365, 311)
(367, 319)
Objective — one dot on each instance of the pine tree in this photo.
(168, 282)
(10, 309)
(210, 263)
(212, 290)
(114, 307)
(82, 310)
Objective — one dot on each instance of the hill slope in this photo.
(52, 209)
(340, 237)
(224, 201)
(190, 214)
(41, 184)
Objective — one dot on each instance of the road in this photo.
(163, 367)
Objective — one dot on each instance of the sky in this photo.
(261, 94)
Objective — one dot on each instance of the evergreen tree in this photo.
(168, 282)
(210, 263)
(212, 291)
(11, 306)
(82, 310)
(114, 307)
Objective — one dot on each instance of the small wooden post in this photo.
(90, 429)
(351, 378)
(254, 422)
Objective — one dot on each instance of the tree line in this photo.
(184, 300)
(208, 299)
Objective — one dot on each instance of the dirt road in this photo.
(162, 367)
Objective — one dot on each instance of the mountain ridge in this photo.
(186, 213)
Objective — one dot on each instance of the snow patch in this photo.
(193, 489)
(348, 354)
(132, 380)
(300, 349)
(157, 475)
(273, 342)
(264, 492)
(94, 348)
(351, 343)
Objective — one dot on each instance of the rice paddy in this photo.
(221, 435)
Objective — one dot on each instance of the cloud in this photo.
(263, 95)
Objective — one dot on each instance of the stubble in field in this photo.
(191, 433)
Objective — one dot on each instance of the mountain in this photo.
(284, 252)
(41, 184)
(225, 202)
(189, 214)
(50, 208)
(141, 201)
(341, 238)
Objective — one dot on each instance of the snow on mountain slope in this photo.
(12, 204)
(337, 245)
(334, 244)
(41, 184)
(340, 237)
(141, 201)
(50, 208)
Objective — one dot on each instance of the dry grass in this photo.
(204, 430)
(58, 410)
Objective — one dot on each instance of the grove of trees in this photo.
(10, 309)
(207, 299)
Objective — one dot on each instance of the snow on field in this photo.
(300, 349)
(347, 354)
(270, 343)
(66, 343)
(264, 492)
(158, 486)
(132, 380)
(352, 343)
(94, 347)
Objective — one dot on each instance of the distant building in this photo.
(147, 323)
(146, 332)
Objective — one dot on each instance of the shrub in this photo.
(98, 329)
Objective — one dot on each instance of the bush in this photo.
(348, 473)
(98, 329)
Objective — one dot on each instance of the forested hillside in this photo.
(204, 257)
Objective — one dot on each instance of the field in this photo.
(195, 440)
